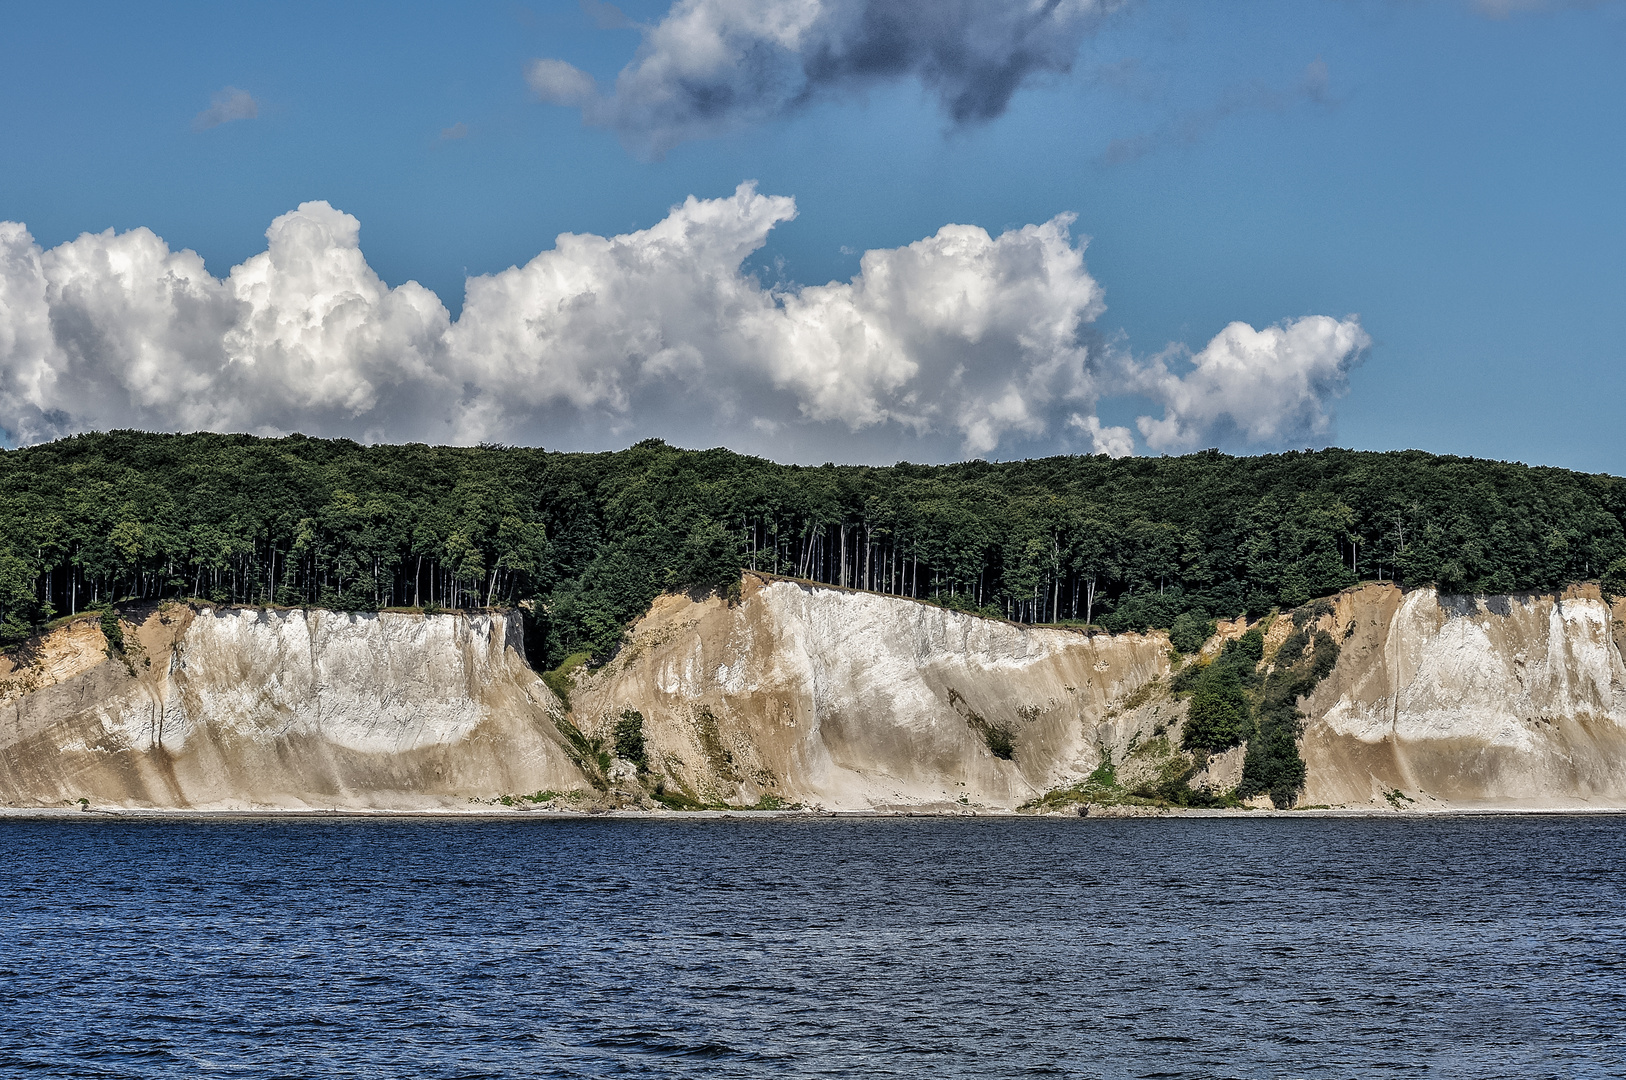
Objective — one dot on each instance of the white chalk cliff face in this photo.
(854, 700)
(239, 709)
(1472, 701)
(797, 694)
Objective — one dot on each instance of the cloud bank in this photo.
(961, 343)
(714, 65)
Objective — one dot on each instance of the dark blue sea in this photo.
(1466, 947)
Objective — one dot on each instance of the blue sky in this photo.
(1448, 174)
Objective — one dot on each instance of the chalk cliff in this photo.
(797, 694)
(218, 708)
(1471, 701)
(834, 698)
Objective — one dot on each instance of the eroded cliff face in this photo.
(799, 694)
(848, 700)
(218, 708)
(1470, 701)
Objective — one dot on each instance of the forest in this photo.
(586, 540)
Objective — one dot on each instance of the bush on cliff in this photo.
(1190, 630)
(629, 739)
(1219, 716)
(1231, 703)
(1614, 579)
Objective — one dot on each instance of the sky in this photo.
(849, 230)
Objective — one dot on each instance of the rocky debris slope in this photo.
(217, 708)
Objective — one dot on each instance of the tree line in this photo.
(590, 539)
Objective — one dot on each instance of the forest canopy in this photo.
(591, 539)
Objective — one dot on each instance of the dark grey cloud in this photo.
(714, 65)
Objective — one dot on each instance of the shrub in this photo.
(1292, 648)
(1614, 579)
(1190, 630)
(1273, 763)
(1219, 716)
(13, 630)
(676, 800)
(112, 631)
(1001, 743)
(558, 680)
(629, 739)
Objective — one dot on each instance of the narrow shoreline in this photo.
(92, 814)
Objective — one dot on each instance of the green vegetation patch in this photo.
(629, 739)
(113, 632)
(539, 797)
(1171, 786)
(587, 541)
(1397, 798)
(1219, 716)
(1190, 630)
(1233, 701)
(589, 753)
(558, 680)
(718, 755)
(680, 800)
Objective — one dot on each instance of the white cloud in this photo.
(713, 65)
(117, 330)
(1114, 442)
(960, 343)
(961, 334)
(1262, 386)
(225, 106)
(560, 83)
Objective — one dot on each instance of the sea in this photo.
(753, 947)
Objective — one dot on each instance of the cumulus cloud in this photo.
(1114, 442)
(961, 343)
(713, 65)
(961, 334)
(225, 106)
(118, 330)
(1261, 386)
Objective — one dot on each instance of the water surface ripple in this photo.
(1466, 947)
